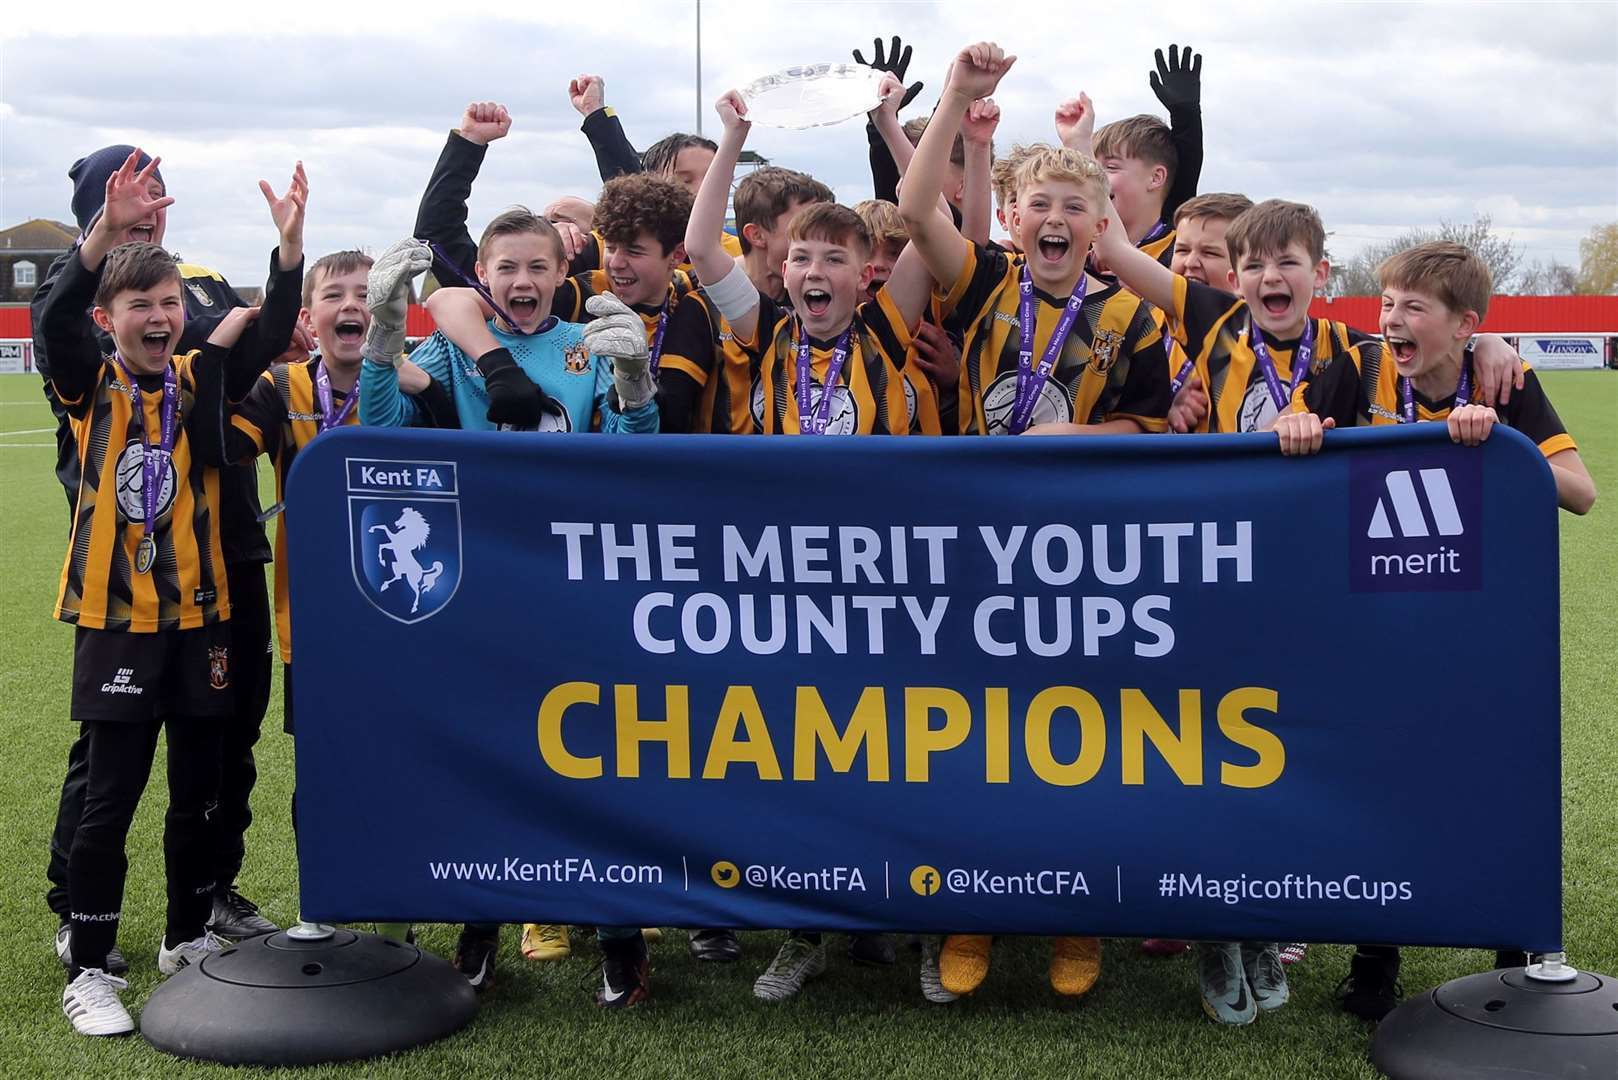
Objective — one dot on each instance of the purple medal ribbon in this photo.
(154, 463)
(1183, 374)
(655, 354)
(1463, 391)
(813, 421)
(1301, 359)
(331, 416)
(1157, 230)
(1030, 380)
(475, 285)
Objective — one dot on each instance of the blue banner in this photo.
(1177, 687)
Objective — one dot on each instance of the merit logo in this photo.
(1415, 522)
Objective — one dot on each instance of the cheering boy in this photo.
(828, 365)
(1434, 296)
(1100, 366)
(144, 581)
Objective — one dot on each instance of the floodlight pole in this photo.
(699, 67)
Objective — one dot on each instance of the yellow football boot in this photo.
(964, 962)
(1075, 964)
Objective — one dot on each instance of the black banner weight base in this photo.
(1502, 1024)
(282, 999)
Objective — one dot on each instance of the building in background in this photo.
(26, 252)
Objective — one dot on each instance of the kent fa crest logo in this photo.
(405, 535)
(1415, 522)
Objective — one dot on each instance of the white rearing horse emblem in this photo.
(411, 537)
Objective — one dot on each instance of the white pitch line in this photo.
(28, 431)
(23, 445)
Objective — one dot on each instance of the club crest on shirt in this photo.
(1104, 350)
(577, 359)
(200, 294)
(219, 667)
(1050, 407)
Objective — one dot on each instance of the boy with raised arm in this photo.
(829, 365)
(634, 252)
(933, 364)
(1086, 353)
(705, 382)
(1099, 365)
(1153, 167)
(208, 299)
(144, 581)
(850, 353)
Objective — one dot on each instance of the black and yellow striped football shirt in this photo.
(1112, 365)
(99, 588)
(1364, 388)
(1215, 329)
(869, 397)
(1160, 247)
(695, 384)
(278, 418)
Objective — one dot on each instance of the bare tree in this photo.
(1357, 277)
(1555, 278)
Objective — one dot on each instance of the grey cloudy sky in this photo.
(1384, 116)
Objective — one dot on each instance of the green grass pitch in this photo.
(1143, 1020)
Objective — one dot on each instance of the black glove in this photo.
(1178, 82)
(513, 397)
(895, 61)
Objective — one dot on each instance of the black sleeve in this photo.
(1145, 396)
(199, 320)
(588, 258)
(615, 156)
(770, 314)
(206, 423)
(435, 408)
(75, 354)
(1204, 307)
(987, 271)
(441, 218)
(67, 449)
(690, 349)
(267, 337)
(1530, 412)
(36, 312)
(884, 173)
(1336, 392)
(1185, 131)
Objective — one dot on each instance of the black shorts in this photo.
(139, 678)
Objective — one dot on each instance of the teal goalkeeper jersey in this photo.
(556, 360)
